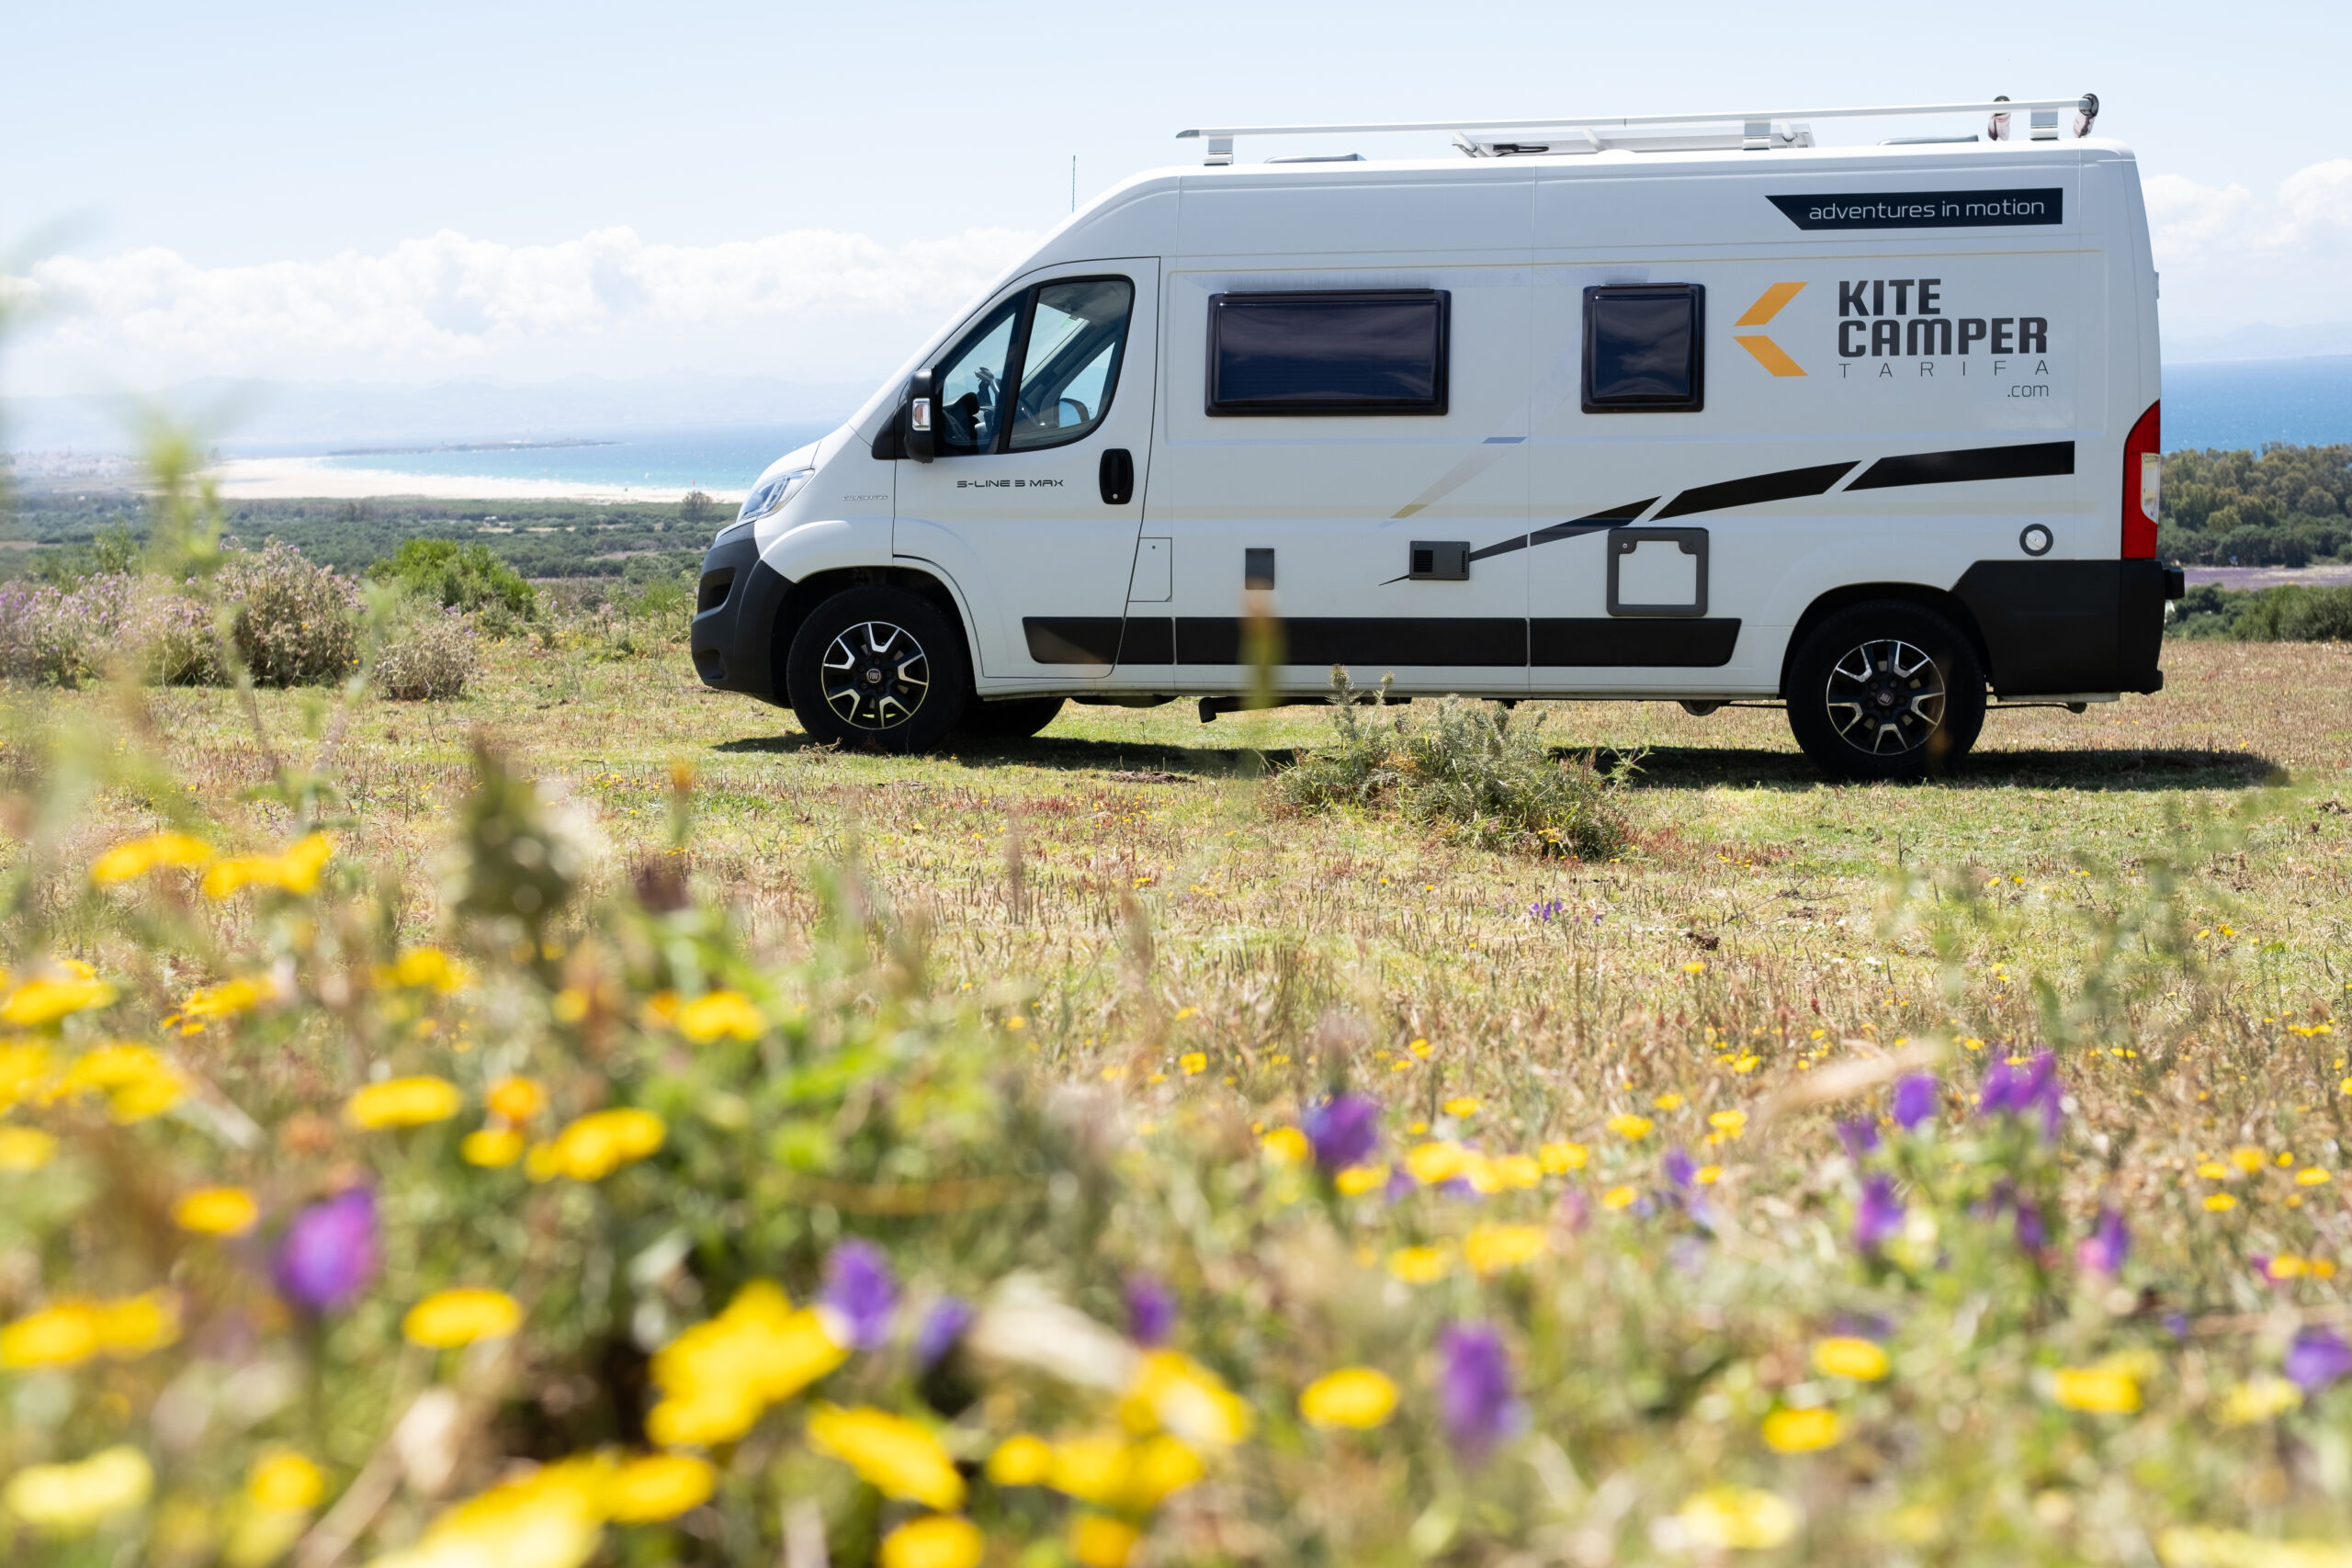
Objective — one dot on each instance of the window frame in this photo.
(1696, 293)
(1434, 407)
(1016, 365)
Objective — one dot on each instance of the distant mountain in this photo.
(280, 418)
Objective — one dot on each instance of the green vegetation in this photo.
(2281, 506)
(2293, 613)
(459, 577)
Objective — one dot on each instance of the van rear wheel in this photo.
(1885, 689)
(877, 669)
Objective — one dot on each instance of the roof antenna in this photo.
(1997, 128)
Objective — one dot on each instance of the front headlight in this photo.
(771, 492)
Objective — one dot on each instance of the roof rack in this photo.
(1760, 131)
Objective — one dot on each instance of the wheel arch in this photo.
(805, 593)
(1940, 601)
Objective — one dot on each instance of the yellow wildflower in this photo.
(1352, 1396)
(1619, 1198)
(403, 1102)
(1558, 1160)
(1802, 1431)
(1111, 1472)
(1739, 1518)
(717, 1376)
(67, 1499)
(1631, 1128)
(936, 1540)
(1434, 1163)
(659, 1487)
(1730, 1123)
(1845, 1356)
(1462, 1105)
(553, 1518)
(63, 1333)
(284, 1482)
(599, 1143)
(2259, 1399)
(1358, 1179)
(895, 1456)
(23, 1064)
(296, 870)
(515, 1100)
(2311, 1176)
(2248, 1158)
(2106, 1391)
(1099, 1542)
(132, 1325)
(136, 1079)
(39, 1002)
(1193, 1063)
(226, 999)
(1490, 1249)
(137, 857)
(25, 1148)
(2221, 1203)
(216, 1210)
(1668, 1101)
(1286, 1145)
(422, 967)
(1022, 1461)
(1174, 1392)
(492, 1148)
(447, 1319)
(722, 1015)
(2213, 1170)
(1420, 1265)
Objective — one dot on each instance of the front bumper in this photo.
(733, 641)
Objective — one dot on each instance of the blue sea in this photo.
(712, 459)
(2225, 404)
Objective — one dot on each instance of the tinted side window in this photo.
(1356, 353)
(1071, 366)
(1644, 348)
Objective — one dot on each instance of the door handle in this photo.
(1117, 476)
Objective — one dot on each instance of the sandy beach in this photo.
(289, 478)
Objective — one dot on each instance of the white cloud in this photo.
(608, 300)
(2230, 257)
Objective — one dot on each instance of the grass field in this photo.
(1145, 960)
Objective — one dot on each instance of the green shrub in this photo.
(459, 577)
(296, 623)
(1475, 771)
(2289, 614)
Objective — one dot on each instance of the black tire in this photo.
(877, 670)
(1015, 719)
(1886, 690)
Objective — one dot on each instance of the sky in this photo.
(518, 192)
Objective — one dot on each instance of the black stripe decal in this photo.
(1605, 643)
(2038, 460)
(1481, 642)
(1789, 484)
(1073, 639)
(1516, 542)
(1150, 639)
(1593, 523)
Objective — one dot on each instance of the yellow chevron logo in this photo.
(1770, 355)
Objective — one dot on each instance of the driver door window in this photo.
(1070, 337)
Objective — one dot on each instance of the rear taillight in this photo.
(2142, 471)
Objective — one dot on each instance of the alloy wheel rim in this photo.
(875, 675)
(1886, 697)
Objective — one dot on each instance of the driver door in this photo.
(1034, 497)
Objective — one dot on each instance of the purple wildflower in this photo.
(2317, 1359)
(330, 1252)
(859, 1293)
(2110, 1243)
(2033, 1086)
(1151, 1311)
(1573, 1211)
(1343, 1130)
(942, 1326)
(1859, 1135)
(1877, 1218)
(2033, 1234)
(1917, 1098)
(1678, 1169)
(1476, 1391)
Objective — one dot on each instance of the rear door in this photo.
(1043, 439)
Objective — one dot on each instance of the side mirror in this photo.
(918, 416)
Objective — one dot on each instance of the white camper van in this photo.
(1663, 410)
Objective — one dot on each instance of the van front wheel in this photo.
(1885, 689)
(877, 669)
